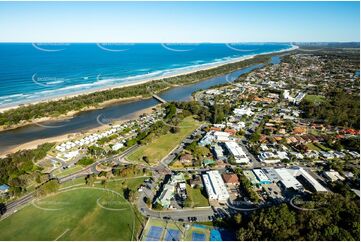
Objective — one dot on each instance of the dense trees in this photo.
(339, 108)
(18, 169)
(336, 219)
(247, 188)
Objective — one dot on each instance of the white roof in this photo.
(221, 136)
(242, 111)
(316, 185)
(260, 175)
(215, 186)
(288, 180)
(334, 175)
(237, 152)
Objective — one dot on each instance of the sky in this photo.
(180, 22)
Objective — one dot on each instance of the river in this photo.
(90, 119)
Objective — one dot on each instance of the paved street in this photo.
(202, 214)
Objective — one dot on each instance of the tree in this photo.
(2, 209)
(237, 218)
(90, 179)
(85, 161)
(129, 194)
(146, 159)
(147, 201)
(174, 129)
(157, 206)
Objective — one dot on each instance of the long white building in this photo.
(215, 187)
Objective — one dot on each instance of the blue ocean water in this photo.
(32, 72)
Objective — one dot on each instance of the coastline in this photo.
(146, 80)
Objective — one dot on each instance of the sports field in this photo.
(83, 213)
(315, 98)
(164, 144)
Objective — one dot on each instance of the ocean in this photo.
(32, 72)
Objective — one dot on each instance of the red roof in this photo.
(230, 178)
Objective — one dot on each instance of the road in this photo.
(202, 214)
(91, 169)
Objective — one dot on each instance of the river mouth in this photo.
(87, 120)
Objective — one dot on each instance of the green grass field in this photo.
(80, 214)
(322, 147)
(315, 98)
(164, 144)
(62, 173)
(311, 146)
(196, 196)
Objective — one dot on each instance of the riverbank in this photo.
(70, 114)
(65, 137)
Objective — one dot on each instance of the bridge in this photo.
(159, 98)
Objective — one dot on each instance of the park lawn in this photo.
(311, 146)
(77, 217)
(164, 144)
(62, 173)
(315, 98)
(119, 183)
(74, 182)
(196, 196)
(322, 147)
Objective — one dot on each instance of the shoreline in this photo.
(206, 66)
